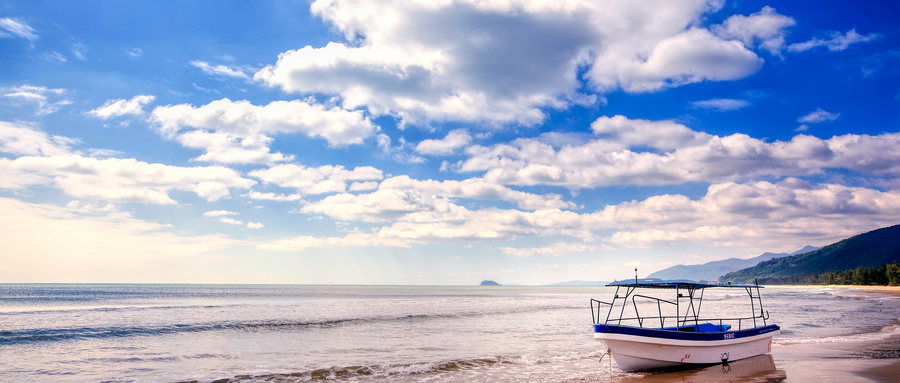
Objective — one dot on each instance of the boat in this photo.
(645, 332)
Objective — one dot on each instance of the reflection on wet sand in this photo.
(759, 368)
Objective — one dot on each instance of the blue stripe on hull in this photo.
(683, 335)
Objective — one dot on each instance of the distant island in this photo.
(489, 283)
(866, 259)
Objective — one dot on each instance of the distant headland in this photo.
(489, 283)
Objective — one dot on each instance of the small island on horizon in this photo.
(489, 283)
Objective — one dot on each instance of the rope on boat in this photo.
(608, 352)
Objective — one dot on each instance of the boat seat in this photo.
(702, 327)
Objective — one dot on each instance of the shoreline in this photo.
(858, 361)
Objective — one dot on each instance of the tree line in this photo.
(886, 275)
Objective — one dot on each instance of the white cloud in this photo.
(665, 135)
(765, 28)
(134, 52)
(677, 155)
(86, 240)
(240, 132)
(753, 215)
(721, 104)
(837, 42)
(455, 139)
(79, 50)
(818, 115)
(301, 243)
(692, 56)
(273, 197)
(120, 180)
(758, 215)
(230, 221)
(557, 249)
(55, 57)
(254, 225)
(229, 148)
(504, 61)
(38, 95)
(15, 28)
(122, 107)
(218, 213)
(475, 188)
(25, 140)
(320, 180)
(220, 70)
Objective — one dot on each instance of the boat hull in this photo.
(635, 348)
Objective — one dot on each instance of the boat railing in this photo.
(683, 323)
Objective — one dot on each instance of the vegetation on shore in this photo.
(886, 275)
(866, 259)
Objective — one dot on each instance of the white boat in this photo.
(638, 341)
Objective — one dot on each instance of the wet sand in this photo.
(840, 362)
(820, 363)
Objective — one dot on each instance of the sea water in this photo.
(287, 333)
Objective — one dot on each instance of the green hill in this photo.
(865, 251)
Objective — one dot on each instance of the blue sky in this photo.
(437, 142)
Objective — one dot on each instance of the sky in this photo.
(439, 142)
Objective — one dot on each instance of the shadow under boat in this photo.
(757, 369)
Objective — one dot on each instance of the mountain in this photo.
(489, 283)
(711, 271)
(872, 249)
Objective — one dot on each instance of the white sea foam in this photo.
(882, 334)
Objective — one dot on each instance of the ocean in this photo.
(298, 333)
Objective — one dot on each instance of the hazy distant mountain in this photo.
(872, 249)
(489, 283)
(711, 271)
(580, 283)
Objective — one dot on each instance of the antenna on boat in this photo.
(635, 275)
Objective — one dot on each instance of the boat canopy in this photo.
(675, 285)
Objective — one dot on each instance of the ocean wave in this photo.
(882, 334)
(395, 372)
(9, 337)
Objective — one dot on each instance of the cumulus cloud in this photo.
(36, 95)
(122, 107)
(837, 41)
(463, 60)
(765, 29)
(721, 104)
(818, 115)
(455, 139)
(22, 139)
(632, 155)
(120, 180)
(240, 132)
(16, 28)
(665, 135)
(319, 180)
(475, 188)
(733, 214)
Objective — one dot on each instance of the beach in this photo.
(292, 333)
